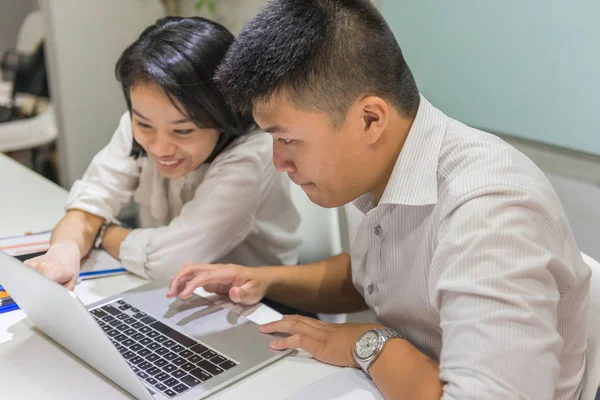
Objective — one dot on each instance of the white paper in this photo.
(96, 261)
(347, 384)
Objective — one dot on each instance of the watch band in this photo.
(101, 233)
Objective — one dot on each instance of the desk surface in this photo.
(32, 366)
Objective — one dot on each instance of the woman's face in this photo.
(171, 139)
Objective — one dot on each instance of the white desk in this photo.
(33, 367)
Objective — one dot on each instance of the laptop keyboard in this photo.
(166, 359)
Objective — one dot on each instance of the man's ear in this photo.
(374, 113)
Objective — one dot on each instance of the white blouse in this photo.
(236, 209)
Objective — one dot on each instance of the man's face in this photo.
(331, 164)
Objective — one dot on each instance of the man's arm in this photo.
(322, 287)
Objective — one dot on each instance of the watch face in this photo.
(367, 344)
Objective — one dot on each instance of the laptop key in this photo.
(130, 332)
(151, 380)
(180, 388)
(136, 347)
(122, 327)
(135, 310)
(153, 334)
(218, 359)
(137, 325)
(142, 375)
(122, 316)
(98, 313)
(153, 370)
(210, 367)
(190, 381)
(145, 365)
(188, 366)
(160, 386)
(162, 351)
(160, 338)
(107, 328)
(195, 359)
(145, 329)
(121, 301)
(173, 334)
(144, 352)
(121, 337)
(178, 373)
(128, 342)
(169, 368)
(111, 310)
(160, 362)
(136, 360)
(169, 356)
(134, 369)
(112, 332)
(145, 341)
(139, 315)
(161, 376)
(171, 382)
(198, 349)
(179, 361)
(108, 318)
(130, 320)
(169, 343)
(152, 357)
(201, 374)
(177, 348)
(170, 393)
(148, 320)
(154, 346)
(227, 364)
(124, 307)
(114, 323)
(186, 353)
(209, 354)
(127, 355)
(138, 336)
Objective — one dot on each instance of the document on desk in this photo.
(95, 265)
(347, 384)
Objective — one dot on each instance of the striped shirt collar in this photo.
(414, 178)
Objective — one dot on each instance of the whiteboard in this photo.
(528, 68)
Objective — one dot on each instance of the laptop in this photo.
(151, 346)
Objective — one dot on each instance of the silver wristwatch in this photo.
(370, 344)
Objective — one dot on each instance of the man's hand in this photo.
(243, 285)
(328, 343)
(61, 263)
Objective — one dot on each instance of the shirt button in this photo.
(378, 230)
(370, 288)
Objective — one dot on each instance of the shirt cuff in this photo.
(84, 199)
(134, 251)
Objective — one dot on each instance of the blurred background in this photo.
(527, 71)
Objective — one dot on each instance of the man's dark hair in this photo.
(322, 54)
(181, 56)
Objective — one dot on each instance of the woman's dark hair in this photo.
(181, 56)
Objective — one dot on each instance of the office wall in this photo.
(85, 39)
(522, 68)
(12, 14)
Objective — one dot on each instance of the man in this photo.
(464, 252)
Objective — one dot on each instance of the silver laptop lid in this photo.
(60, 315)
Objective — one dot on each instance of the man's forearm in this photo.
(324, 287)
(402, 371)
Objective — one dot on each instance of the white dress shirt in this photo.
(470, 256)
(237, 209)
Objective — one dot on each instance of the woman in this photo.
(201, 174)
